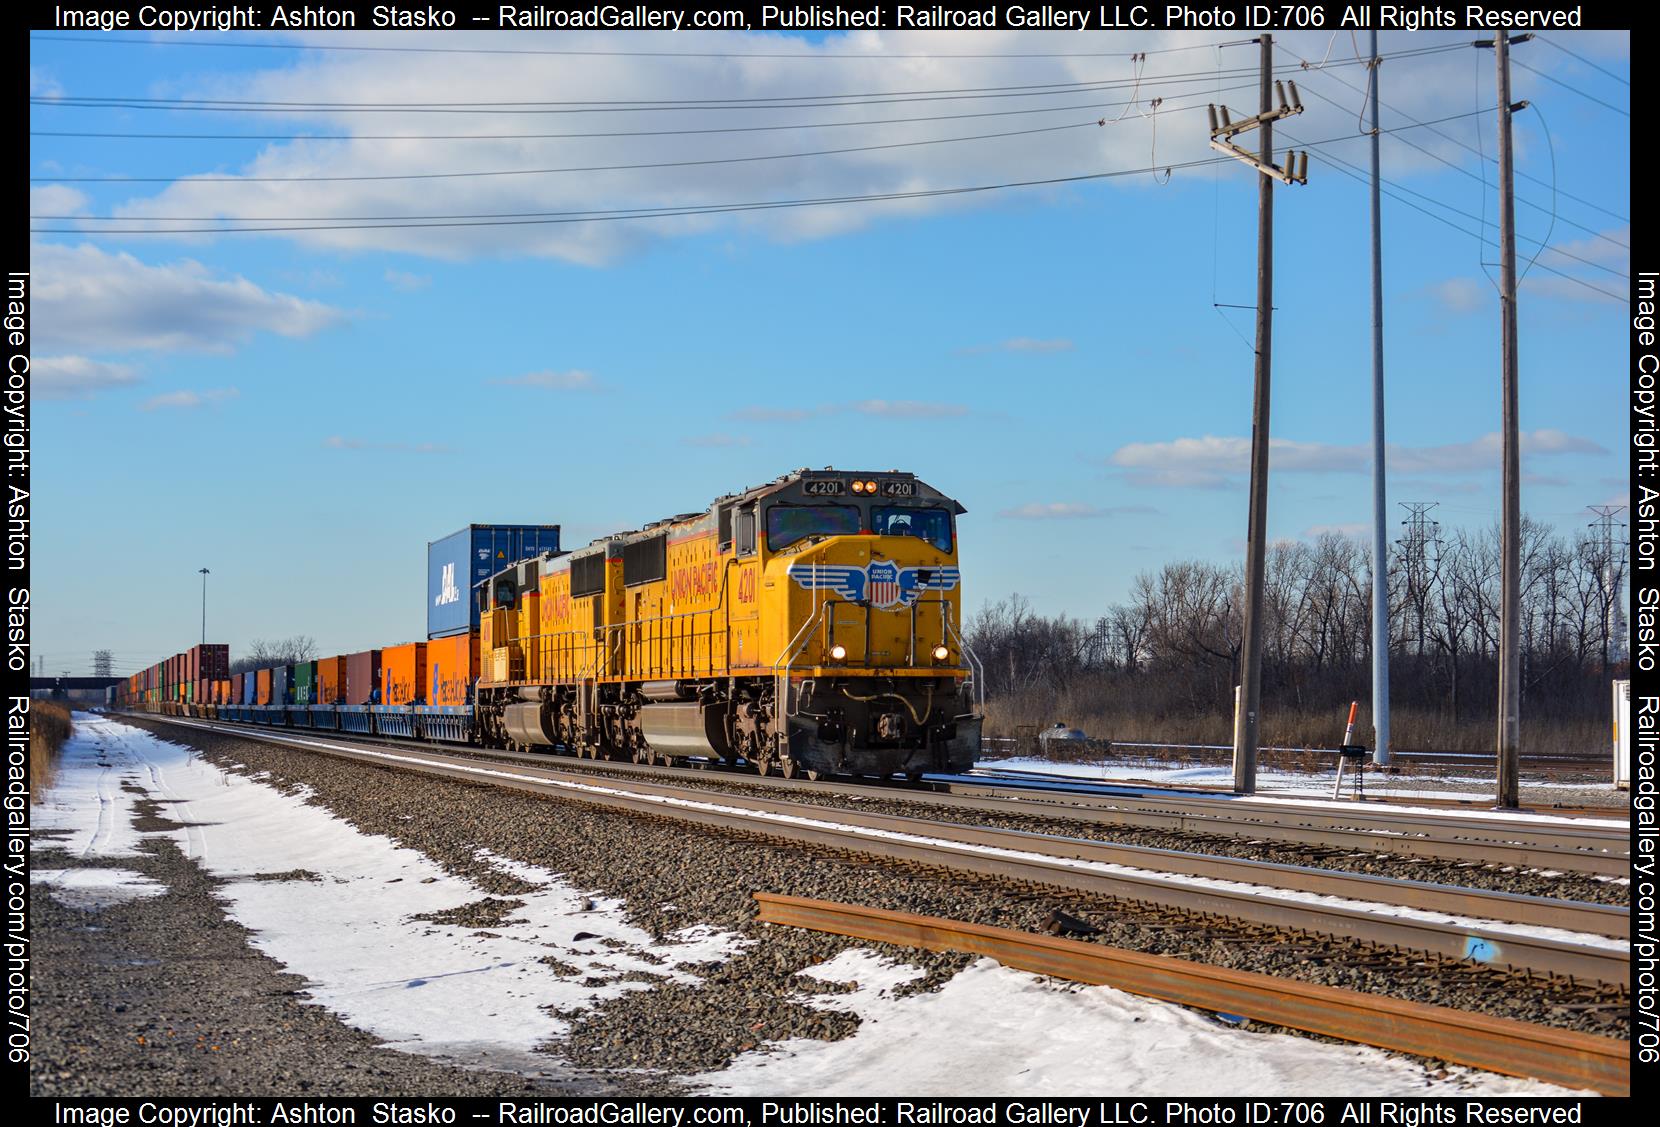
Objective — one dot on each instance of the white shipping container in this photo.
(1622, 735)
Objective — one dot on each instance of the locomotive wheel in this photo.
(813, 776)
(787, 767)
(762, 762)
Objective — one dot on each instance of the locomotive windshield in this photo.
(932, 525)
(789, 524)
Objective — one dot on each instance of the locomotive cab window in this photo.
(745, 531)
(790, 524)
(932, 525)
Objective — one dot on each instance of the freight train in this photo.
(810, 625)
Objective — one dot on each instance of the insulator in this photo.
(1302, 166)
(1296, 98)
(1279, 91)
(1227, 123)
(1212, 110)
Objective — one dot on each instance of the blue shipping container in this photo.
(463, 559)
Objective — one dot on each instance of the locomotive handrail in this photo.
(976, 667)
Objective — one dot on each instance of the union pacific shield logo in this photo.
(882, 584)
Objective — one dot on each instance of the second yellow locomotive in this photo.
(812, 624)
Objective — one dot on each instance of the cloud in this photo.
(43, 85)
(574, 380)
(339, 442)
(1462, 295)
(409, 283)
(926, 156)
(1020, 344)
(908, 409)
(1070, 510)
(717, 441)
(189, 400)
(1211, 461)
(55, 199)
(95, 301)
(76, 377)
(772, 414)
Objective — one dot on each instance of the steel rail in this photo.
(1489, 840)
(1071, 863)
(1515, 1048)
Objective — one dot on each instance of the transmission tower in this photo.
(1608, 542)
(1420, 545)
(101, 663)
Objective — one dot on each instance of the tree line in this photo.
(1172, 649)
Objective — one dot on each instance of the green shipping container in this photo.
(305, 682)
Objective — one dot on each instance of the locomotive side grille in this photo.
(645, 561)
(587, 575)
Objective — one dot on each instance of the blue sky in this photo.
(302, 410)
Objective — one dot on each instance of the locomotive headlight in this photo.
(870, 487)
(941, 653)
(838, 653)
(858, 487)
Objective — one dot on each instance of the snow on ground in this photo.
(459, 992)
(94, 889)
(996, 1031)
(485, 996)
(1212, 780)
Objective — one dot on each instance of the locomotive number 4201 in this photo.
(899, 488)
(823, 488)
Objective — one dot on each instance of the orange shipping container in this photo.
(452, 667)
(331, 680)
(262, 691)
(403, 673)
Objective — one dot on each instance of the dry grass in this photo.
(1410, 729)
(49, 729)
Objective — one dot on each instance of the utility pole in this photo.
(1222, 133)
(1415, 542)
(102, 662)
(1510, 568)
(1609, 577)
(1380, 506)
(204, 605)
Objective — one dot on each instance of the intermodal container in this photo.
(250, 687)
(462, 559)
(403, 674)
(305, 682)
(262, 689)
(452, 667)
(363, 677)
(215, 660)
(331, 679)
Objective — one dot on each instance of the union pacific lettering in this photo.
(700, 581)
(556, 608)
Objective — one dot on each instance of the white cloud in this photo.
(574, 380)
(188, 400)
(1462, 295)
(1115, 91)
(92, 300)
(1070, 510)
(409, 283)
(55, 199)
(76, 377)
(1210, 461)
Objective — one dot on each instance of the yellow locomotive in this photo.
(812, 625)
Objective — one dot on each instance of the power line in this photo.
(508, 215)
(598, 133)
(1572, 88)
(577, 168)
(104, 41)
(1466, 146)
(1583, 59)
(543, 218)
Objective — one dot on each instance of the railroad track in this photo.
(1596, 847)
(1524, 933)
(1574, 1060)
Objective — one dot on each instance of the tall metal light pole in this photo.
(1380, 506)
(204, 605)
(1510, 614)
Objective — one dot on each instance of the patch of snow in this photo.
(96, 889)
(993, 1031)
(470, 993)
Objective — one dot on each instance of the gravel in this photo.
(671, 875)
